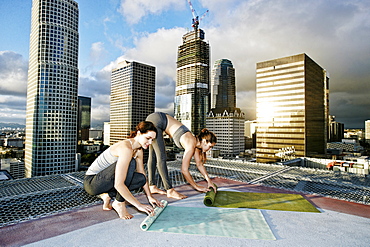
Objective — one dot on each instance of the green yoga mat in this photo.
(234, 223)
(269, 201)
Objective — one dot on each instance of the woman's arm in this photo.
(124, 157)
(140, 168)
(188, 143)
(199, 161)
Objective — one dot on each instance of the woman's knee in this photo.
(142, 179)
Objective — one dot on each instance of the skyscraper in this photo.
(192, 82)
(335, 131)
(132, 97)
(51, 118)
(224, 119)
(223, 84)
(292, 108)
(84, 118)
(228, 125)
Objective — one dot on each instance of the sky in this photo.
(334, 33)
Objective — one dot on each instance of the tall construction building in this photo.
(223, 92)
(132, 97)
(51, 117)
(224, 119)
(192, 81)
(292, 109)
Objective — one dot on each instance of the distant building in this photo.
(223, 89)
(17, 169)
(292, 108)
(95, 134)
(336, 130)
(132, 97)
(14, 142)
(14, 166)
(345, 146)
(51, 116)
(250, 128)
(228, 126)
(84, 118)
(250, 134)
(367, 131)
(192, 81)
(106, 134)
(224, 119)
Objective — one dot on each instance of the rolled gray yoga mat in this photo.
(149, 220)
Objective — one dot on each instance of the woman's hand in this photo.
(212, 185)
(155, 202)
(201, 189)
(146, 209)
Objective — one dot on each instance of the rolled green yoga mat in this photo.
(268, 201)
(149, 220)
(210, 196)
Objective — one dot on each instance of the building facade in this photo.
(292, 108)
(84, 118)
(192, 81)
(223, 90)
(51, 117)
(228, 126)
(367, 131)
(132, 97)
(224, 119)
(336, 130)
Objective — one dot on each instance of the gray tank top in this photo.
(103, 161)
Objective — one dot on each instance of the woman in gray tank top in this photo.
(194, 146)
(119, 170)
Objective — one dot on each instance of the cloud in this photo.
(97, 86)
(160, 50)
(97, 52)
(335, 34)
(134, 10)
(12, 109)
(13, 73)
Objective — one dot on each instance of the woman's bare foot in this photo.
(107, 205)
(121, 210)
(172, 193)
(155, 190)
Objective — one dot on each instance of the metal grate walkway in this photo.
(25, 199)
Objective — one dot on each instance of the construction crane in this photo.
(196, 18)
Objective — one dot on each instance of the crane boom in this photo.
(196, 19)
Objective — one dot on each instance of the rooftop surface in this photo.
(55, 211)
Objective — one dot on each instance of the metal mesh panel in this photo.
(334, 184)
(26, 199)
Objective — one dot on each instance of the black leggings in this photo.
(157, 152)
(103, 182)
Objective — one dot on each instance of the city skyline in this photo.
(334, 33)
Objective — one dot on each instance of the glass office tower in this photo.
(292, 109)
(223, 84)
(51, 118)
(192, 81)
(132, 97)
